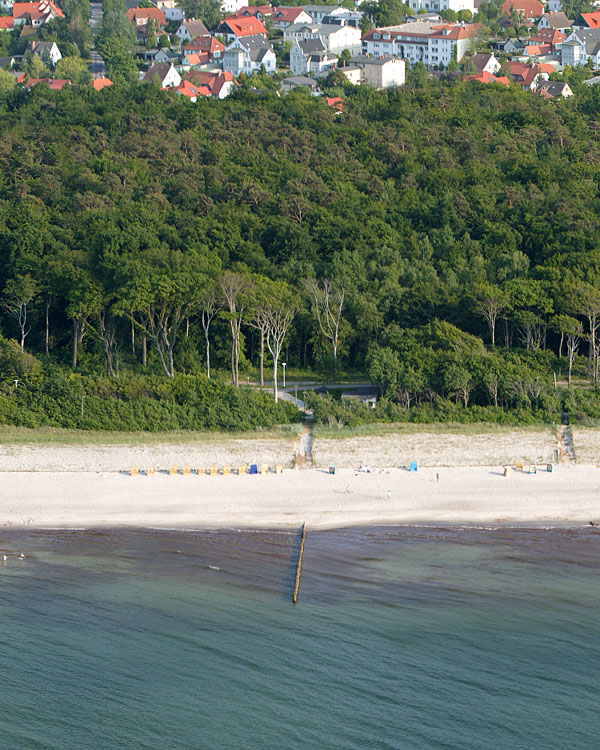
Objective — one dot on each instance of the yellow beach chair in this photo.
(150, 471)
(279, 469)
(172, 470)
(213, 470)
(133, 471)
(185, 471)
(264, 469)
(226, 470)
(241, 470)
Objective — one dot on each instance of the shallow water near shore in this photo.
(401, 638)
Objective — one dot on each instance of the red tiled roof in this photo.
(592, 19)
(485, 77)
(100, 83)
(7, 22)
(529, 8)
(252, 10)
(288, 14)
(186, 88)
(204, 44)
(56, 84)
(336, 102)
(245, 26)
(37, 10)
(144, 14)
(214, 82)
(548, 36)
(197, 58)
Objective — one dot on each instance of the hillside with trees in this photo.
(147, 242)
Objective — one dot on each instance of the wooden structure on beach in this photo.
(299, 565)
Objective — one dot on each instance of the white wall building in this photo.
(335, 38)
(438, 5)
(232, 6)
(249, 54)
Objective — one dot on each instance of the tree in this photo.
(490, 301)
(208, 10)
(328, 302)
(279, 311)
(209, 307)
(18, 293)
(233, 288)
(7, 81)
(73, 69)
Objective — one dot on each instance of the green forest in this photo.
(440, 241)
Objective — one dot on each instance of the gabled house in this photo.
(192, 28)
(141, 16)
(551, 38)
(318, 12)
(48, 52)
(529, 9)
(56, 84)
(512, 46)
(166, 74)
(580, 47)
(486, 77)
(236, 28)
(283, 17)
(35, 14)
(296, 82)
(529, 75)
(7, 23)
(209, 46)
(254, 11)
(554, 89)
(556, 21)
(7, 62)
(248, 55)
(587, 21)
(311, 56)
(220, 84)
(171, 10)
(335, 38)
(191, 91)
(100, 83)
(485, 62)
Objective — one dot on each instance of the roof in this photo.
(7, 22)
(288, 14)
(480, 60)
(100, 83)
(526, 73)
(141, 14)
(242, 27)
(310, 46)
(593, 81)
(197, 58)
(559, 20)
(187, 88)
(158, 69)
(213, 82)
(590, 38)
(548, 36)
(553, 88)
(591, 20)
(256, 45)
(453, 31)
(252, 10)
(384, 60)
(300, 81)
(529, 8)
(39, 48)
(336, 102)
(485, 77)
(204, 44)
(195, 27)
(38, 10)
(56, 84)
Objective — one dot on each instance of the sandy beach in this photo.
(51, 485)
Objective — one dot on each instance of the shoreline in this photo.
(476, 496)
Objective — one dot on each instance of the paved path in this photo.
(97, 67)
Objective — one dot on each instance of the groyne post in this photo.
(299, 565)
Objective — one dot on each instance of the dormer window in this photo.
(376, 36)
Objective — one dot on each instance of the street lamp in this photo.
(283, 364)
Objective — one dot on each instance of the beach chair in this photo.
(213, 471)
(333, 469)
(279, 469)
(507, 471)
(201, 470)
(550, 468)
(133, 471)
(253, 469)
(226, 471)
(264, 469)
(185, 471)
(519, 466)
(533, 469)
(172, 470)
(413, 466)
(150, 471)
(241, 470)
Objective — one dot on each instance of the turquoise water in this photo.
(402, 638)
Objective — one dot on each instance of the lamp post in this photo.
(283, 364)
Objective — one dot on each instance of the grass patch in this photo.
(413, 428)
(11, 435)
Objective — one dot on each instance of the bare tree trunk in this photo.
(47, 341)
(262, 357)
(132, 337)
(144, 350)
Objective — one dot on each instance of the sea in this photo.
(402, 637)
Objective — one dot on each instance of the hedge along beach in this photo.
(96, 489)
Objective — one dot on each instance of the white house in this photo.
(553, 6)
(318, 12)
(35, 13)
(171, 10)
(335, 38)
(582, 45)
(384, 72)
(438, 5)
(557, 21)
(430, 43)
(485, 62)
(232, 6)
(283, 17)
(190, 29)
(46, 51)
(311, 56)
(248, 54)
(166, 74)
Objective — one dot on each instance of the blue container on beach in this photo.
(333, 469)
(413, 465)
(253, 469)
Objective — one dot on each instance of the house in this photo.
(36, 14)
(551, 38)
(141, 16)
(248, 55)
(7, 23)
(335, 38)
(166, 74)
(485, 77)
(48, 52)
(528, 75)
(513, 46)
(439, 5)
(311, 56)
(554, 89)
(209, 46)
(529, 9)
(232, 6)
(587, 21)
(7, 62)
(336, 103)
(255, 11)
(318, 12)
(283, 17)
(295, 82)
(344, 17)
(171, 10)
(430, 43)
(580, 47)
(56, 84)
(236, 28)
(353, 73)
(190, 29)
(554, 6)
(219, 84)
(364, 394)
(100, 83)
(485, 62)
(166, 55)
(557, 21)
(381, 72)
(191, 91)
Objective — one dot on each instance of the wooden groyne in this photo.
(299, 566)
